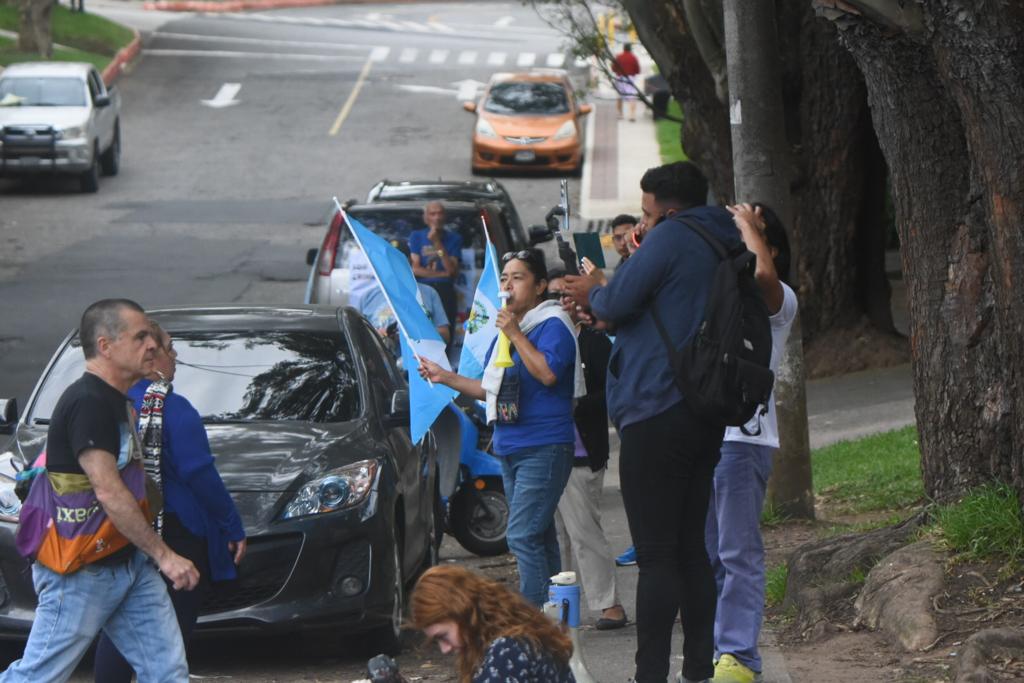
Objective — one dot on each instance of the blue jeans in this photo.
(128, 601)
(733, 539)
(534, 479)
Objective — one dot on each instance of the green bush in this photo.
(985, 524)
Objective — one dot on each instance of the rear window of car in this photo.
(524, 97)
(245, 376)
(41, 92)
(400, 224)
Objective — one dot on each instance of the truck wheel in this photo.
(111, 159)
(89, 181)
(479, 519)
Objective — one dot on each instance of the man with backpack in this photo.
(741, 477)
(669, 450)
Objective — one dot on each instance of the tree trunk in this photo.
(838, 185)
(35, 29)
(945, 103)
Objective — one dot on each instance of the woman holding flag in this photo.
(530, 405)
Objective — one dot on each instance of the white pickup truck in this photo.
(58, 117)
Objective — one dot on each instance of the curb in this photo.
(121, 59)
(210, 6)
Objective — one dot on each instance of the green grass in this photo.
(89, 37)
(772, 516)
(880, 472)
(775, 584)
(986, 524)
(668, 135)
(9, 54)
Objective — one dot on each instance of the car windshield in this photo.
(526, 97)
(42, 92)
(245, 376)
(400, 224)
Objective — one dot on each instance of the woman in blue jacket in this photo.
(530, 405)
(199, 520)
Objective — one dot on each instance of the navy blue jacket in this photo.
(193, 490)
(671, 271)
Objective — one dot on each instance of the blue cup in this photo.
(567, 600)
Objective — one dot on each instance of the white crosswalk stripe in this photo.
(526, 59)
(408, 55)
(380, 53)
(556, 60)
(467, 57)
(438, 56)
(496, 58)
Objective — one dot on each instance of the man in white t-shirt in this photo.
(733, 534)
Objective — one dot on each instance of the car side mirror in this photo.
(311, 256)
(540, 233)
(470, 107)
(400, 404)
(8, 415)
(586, 109)
(101, 101)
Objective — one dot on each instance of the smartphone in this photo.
(588, 245)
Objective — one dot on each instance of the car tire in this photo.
(89, 181)
(388, 638)
(111, 159)
(479, 519)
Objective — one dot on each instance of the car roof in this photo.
(230, 318)
(534, 75)
(437, 189)
(80, 69)
(417, 204)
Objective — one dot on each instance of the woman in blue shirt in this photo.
(530, 405)
(199, 520)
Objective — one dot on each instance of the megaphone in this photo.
(504, 357)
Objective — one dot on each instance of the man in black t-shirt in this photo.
(92, 433)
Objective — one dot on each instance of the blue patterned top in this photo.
(508, 660)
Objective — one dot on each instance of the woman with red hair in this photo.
(496, 635)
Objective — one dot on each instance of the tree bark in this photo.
(838, 184)
(35, 28)
(945, 103)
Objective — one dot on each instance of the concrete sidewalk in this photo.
(839, 408)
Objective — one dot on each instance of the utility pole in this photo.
(761, 167)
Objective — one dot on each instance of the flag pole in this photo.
(383, 289)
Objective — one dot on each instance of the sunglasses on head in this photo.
(522, 255)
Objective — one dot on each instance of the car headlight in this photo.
(568, 130)
(72, 133)
(484, 128)
(342, 488)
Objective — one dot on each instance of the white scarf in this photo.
(493, 375)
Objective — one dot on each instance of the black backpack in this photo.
(724, 371)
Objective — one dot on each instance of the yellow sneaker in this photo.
(729, 670)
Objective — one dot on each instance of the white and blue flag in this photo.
(418, 334)
(480, 327)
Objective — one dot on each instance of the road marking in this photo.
(225, 97)
(240, 54)
(556, 59)
(347, 107)
(496, 58)
(467, 89)
(526, 59)
(169, 35)
(504, 22)
(438, 56)
(430, 89)
(408, 55)
(416, 26)
(438, 26)
(467, 57)
(380, 53)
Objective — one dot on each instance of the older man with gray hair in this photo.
(90, 450)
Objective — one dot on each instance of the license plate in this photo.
(526, 155)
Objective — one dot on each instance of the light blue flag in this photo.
(418, 334)
(480, 327)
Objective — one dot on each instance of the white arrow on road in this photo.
(467, 88)
(225, 97)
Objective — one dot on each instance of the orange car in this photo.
(528, 121)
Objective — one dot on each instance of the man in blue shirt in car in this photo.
(435, 256)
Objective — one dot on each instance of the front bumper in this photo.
(26, 156)
(561, 155)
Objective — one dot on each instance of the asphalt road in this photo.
(220, 204)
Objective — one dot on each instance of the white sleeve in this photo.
(787, 313)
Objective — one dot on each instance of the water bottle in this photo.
(564, 605)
